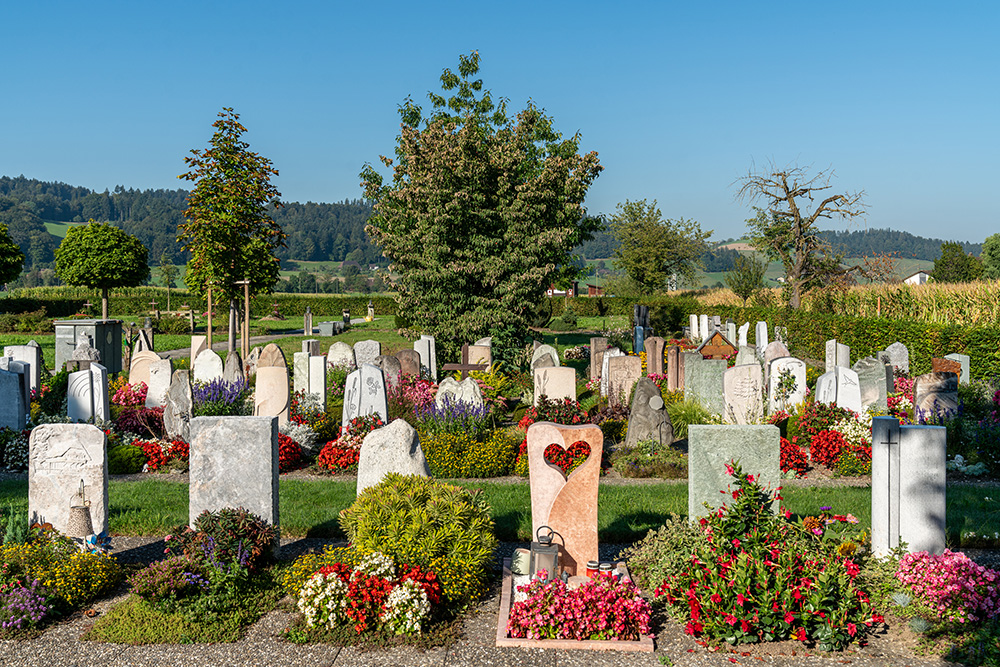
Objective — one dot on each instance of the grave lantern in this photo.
(544, 555)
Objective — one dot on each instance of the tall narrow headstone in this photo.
(177, 407)
(693, 324)
(837, 354)
(743, 391)
(711, 449)
(654, 355)
(638, 340)
(624, 371)
(760, 337)
(160, 372)
(99, 382)
(307, 322)
(609, 354)
(425, 347)
(742, 335)
(555, 383)
(300, 372)
(597, 347)
(317, 380)
(731, 330)
(60, 458)
(675, 375)
(704, 327)
(271, 395)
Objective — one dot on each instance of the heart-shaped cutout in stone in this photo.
(569, 459)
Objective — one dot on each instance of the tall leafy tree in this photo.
(229, 232)
(747, 276)
(101, 256)
(955, 266)
(651, 250)
(11, 257)
(481, 211)
(990, 257)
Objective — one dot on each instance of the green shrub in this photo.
(421, 521)
(685, 413)
(462, 455)
(173, 324)
(650, 459)
(230, 535)
(33, 322)
(663, 553)
(15, 526)
(126, 460)
(614, 430)
(51, 400)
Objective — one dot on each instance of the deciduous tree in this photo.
(11, 257)
(101, 256)
(747, 276)
(955, 266)
(990, 257)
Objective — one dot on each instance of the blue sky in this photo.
(902, 100)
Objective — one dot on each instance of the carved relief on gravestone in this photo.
(567, 505)
(364, 394)
(341, 354)
(716, 346)
(541, 352)
(826, 388)
(848, 389)
(597, 347)
(780, 397)
(79, 396)
(624, 372)
(648, 417)
(160, 372)
(743, 390)
(177, 407)
(138, 370)
(555, 383)
(271, 395)
(409, 362)
(654, 355)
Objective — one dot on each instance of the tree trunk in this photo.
(104, 303)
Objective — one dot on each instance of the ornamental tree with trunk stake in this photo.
(481, 212)
(101, 256)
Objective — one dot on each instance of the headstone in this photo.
(566, 505)
(271, 397)
(391, 369)
(143, 341)
(177, 407)
(138, 370)
(964, 361)
(307, 322)
(232, 370)
(624, 372)
(743, 391)
(488, 341)
(826, 387)
(393, 448)
(330, 328)
(779, 367)
(760, 337)
(555, 383)
(899, 357)
(99, 381)
(837, 354)
(597, 347)
(311, 347)
(743, 331)
(365, 352)
(693, 327)
(317, 380)
(250, 363)
(208, 366)
(480, 354)
(609, 354)
(654, 355)
(747, 355)
(716, 346)
(300, 372)
(716, 322)
(60, 457)
(428, 355)
(466, 391)
(711, 448)
(13, 410)
(364, 394)
(85, 352)
(730, 330)
(675, 373)
(773, 351)
(160, 372)
(935, 395)
(703, 382)
(540, 352)
(409, 362)
(638, 340)
(703, 326)
(908, 487)
(22, 372)
(30, 354)
(848, 389)
(876, 382)
(234, 463)
(648, 418)
(198, 343)
(341, 354)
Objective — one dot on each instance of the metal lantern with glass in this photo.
(544, 555)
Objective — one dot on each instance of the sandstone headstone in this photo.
(177, 407)
(60, 456)
(876, 382)
(272, 356)
(480, 354)
(648, 417)
(654, 355)
(675, 374)
(409, 362)
(391, 449)
(567, 506)
(964, 365)
(232, 370)
(760, 337)
(138, 370)
(425, 347)
(597, 347)
(160, 372)
(742, 335)
(555, 383)
(743, 391)
(837, 354)
(779, 367)
(711, 448)
(311, 347)
(271, 395)
(234, 463)
(198, 343)
(609, 354)
(364, 394)
(391, 368)
(466, 391)
(935, 395)
(365, 352)
(703, 382)
(31, 355)
(207, 367)
(341, 354)
(899, 357)
(624, 372)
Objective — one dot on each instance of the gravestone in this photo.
(760, 337)
(13, 410)
(144, 341)
(716, 346)
(555, 383)
(908, 487)
(250, 364)
(394, 448)
(271, 397)
(138, 370)
(364, 394)
(365, 352)
(341, 355)
(566, 505)
(703, 327)
(837, 354)
(609, 354)
(731, 330)
(648, 418)
(624, 371)
(329, 328)
(232, 370)
(654, 355)
(317, 380)
(675, 372)
(307, 323)
(743, 392)
(876, 382)
(781, 334)
(208, 366)
(428, 355)
(22, 372)
(747, 355)
(311, 347)
(30, 354)
(935, 395)
(781, 365)
(826, 388)
(487, 341)
(638, 340)
(899, 357)
(300, 372)
(597, 347)
(409, 362)
(541, 352)
(480, 354)
(711, 448)
(87, 394)
(715, 322)
(160, 372)
(773, 351)
(391, 369)
(60, 457)
(177, 407)
(742, 334)
(964, 363)
(85, 352)
(940, 365)
(703, 382)
(233, 462)
(848, 388)
(198, 343)
(466, 391)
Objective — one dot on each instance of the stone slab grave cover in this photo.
(566, 505)
(311, 347)
(542, 352)
(427, 350)
(198, 343)
(693, 327)
(876, 381)
(364, 394)
(935, 394)
(648, 417)
(232, 370)
(208, 366)
(409, 362)
(908, 486)
(30, 354)
(760, 337)
(711, 448)
(654, 355)
(716, 346)
(624, 372)
(704, 326)
(233, 462)
(13, 410)
(837, 354)
(271, 397)
(138, 370)
(703, 382)
(779, 366)
(609, 354)
(391, 369)
(555, 383)
(341, 354)
(393, 448)
(964, 361)
(60, 456)
(480, 354)
(743, 392)
(597, 347)
(177, 407)
(160, 372)
(365, 352)
(466, 391)
(899, 357)
(675, 372)
(742, 334)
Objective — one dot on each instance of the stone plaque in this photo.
(60, 456)
(743, 390)
(480, 354)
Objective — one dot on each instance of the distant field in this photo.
(58, 229)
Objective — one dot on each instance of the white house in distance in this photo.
(918, 278)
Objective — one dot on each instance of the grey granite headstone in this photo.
(742, 335)
(409, 362)
(712, 448)
(899, 357)
(427, 350)
(935, 394)
(85, 352)
(837, 354)
(365, 352)
(391, 368)
(177, 407)
(544, 351)
(609, 354)
(876, 382)
(743, 390)
(341, 354)
(232, 370)
(207, 367)
(234, 463)
(703, 382)
(393, 448)
(13, 411)
(965, 361)
(466, 391)
(364, 394)
(160, 372)
(781, 365)
(31, 355)
(648, 417)
(760, 337)
(60, 456)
